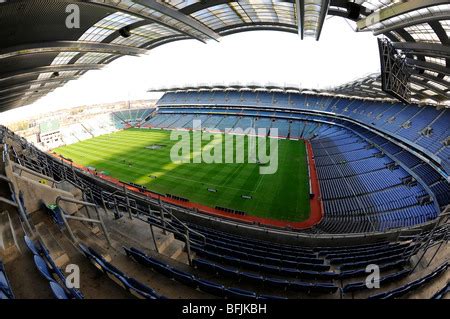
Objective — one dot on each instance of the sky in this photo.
(255, 57)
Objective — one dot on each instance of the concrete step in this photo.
(8, 242)
(183, 256)
(68, 187)
(57, 253)
(26, 281)
(165, 242)
(86, 237)
(174, 249)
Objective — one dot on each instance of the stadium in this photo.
(225, 191)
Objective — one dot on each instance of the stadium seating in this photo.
(355, 181)
(361, 185)
(352, 287)
(403, 290)
(5, 286)
(350, 262)
(48, 269)
(130, 284)
(442, 293)
(288, 284)
(368, 183)
(190, 280)
(128, 118)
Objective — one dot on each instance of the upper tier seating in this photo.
(127, 118)
(423, 127)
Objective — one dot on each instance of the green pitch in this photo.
(142, 156)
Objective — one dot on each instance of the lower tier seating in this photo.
(132, 285)
(5, 287)
(416, 284)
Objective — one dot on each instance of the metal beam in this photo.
(434, 79)
(429, 87)
(323, 15)
(37, 91)
(396, 10)
(29, 89)
(422, 46)
(70, 46)
(300, 7)
(52, 68)
(130, 10)
(38, 82)
(16, 100)
(179, 16)
(337, 13)
(424, 49)
(419, 95)
(164, 40)
(428, 66)
(414, 21)
(236, 28)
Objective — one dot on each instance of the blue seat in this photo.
(211, 287)
(140, 290)
(46, 266)
(135, 287)
(400, 291)
(31, 246)
(5, 287)
(351, 287)
(203, 264)
(97, 262)
(115, 275)
(149, 261)
(43, 268)
(55, 212)
(300, 285)
(282, 283)
(271, 297)
(58, 291)
(442, 293)
(253, 277)
(228, 272)
(239, 293)
(184, 278)
(3, 295)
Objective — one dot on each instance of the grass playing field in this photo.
(131, 156)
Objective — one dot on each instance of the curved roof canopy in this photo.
(368, 87)
(40, 51)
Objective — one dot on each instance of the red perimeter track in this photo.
(316, 212)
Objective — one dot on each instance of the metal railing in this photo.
(153, 217)
(88, 219)
(22, 212)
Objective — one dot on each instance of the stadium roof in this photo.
(365, 88)
(39, 52)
